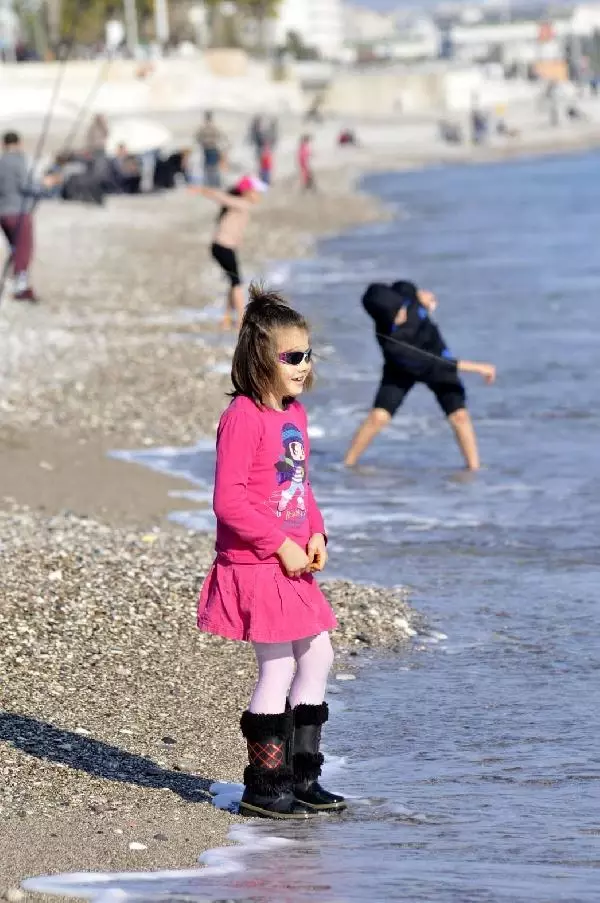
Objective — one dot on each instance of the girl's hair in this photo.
(254, 367)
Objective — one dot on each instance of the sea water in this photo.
(471, 763)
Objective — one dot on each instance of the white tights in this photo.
(311, 660)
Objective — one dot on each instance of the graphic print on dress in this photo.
(291, 475)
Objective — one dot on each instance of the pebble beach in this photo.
(116, 714)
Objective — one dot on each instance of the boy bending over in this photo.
(414, 351)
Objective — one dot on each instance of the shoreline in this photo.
(88, 768)
(28, 440)
(116, 713)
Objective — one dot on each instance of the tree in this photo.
(259, 10)
(83, 20)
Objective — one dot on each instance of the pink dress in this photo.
(262, 495)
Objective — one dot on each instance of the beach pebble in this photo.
(135, 845)
(403, 625)
(14, 895)
(345, 677)
(363, 639)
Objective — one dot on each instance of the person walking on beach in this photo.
(97, 136)
(18, 194)
(213, 145)
(262, 132)
(270, 538)
(414, 351)
(266, 165)
(307, 179)
(236, 206)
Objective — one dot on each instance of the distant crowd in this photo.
(99, 167)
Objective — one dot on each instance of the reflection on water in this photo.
(473, 763)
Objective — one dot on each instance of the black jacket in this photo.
(416, 347)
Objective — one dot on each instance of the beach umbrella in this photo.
(138, 135)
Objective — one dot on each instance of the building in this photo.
(364, 26)
(318, 24)
(521, 37)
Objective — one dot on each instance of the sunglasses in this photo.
(295, 357)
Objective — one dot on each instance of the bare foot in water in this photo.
(227, 322)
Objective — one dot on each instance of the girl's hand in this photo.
(294, 559)
(317, 552)
(197, 189)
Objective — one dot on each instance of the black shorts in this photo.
(227, 260)
(396, 384)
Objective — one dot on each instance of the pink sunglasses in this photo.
(295, 357)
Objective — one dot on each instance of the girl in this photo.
(270, 538)
(231, 225)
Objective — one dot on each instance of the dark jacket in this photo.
(416, 347)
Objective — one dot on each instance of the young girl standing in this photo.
(270, 539)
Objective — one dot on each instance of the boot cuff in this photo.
(258, 727)
(305, 715)
(307, 766)
(268, 781)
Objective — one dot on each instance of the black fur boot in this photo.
(268, 777)
(307, 759)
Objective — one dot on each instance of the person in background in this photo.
(415, 351)
(347, 137)
(18, 194)
(126, 172)
(213, 144)
(167, 170)
(479, 126)
(79, 180)
(236, 206)
(307, 179)
(258, 136)
(266, 165)
(273, 136)
(97, 135)
(95, 148)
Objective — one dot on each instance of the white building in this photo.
(318, 24)
(366, 26)
(522, 40)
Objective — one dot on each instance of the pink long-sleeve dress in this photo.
(262, 495)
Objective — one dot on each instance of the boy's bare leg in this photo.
(465, 436)
(238, 303)
(235, 306)
(378, 419)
